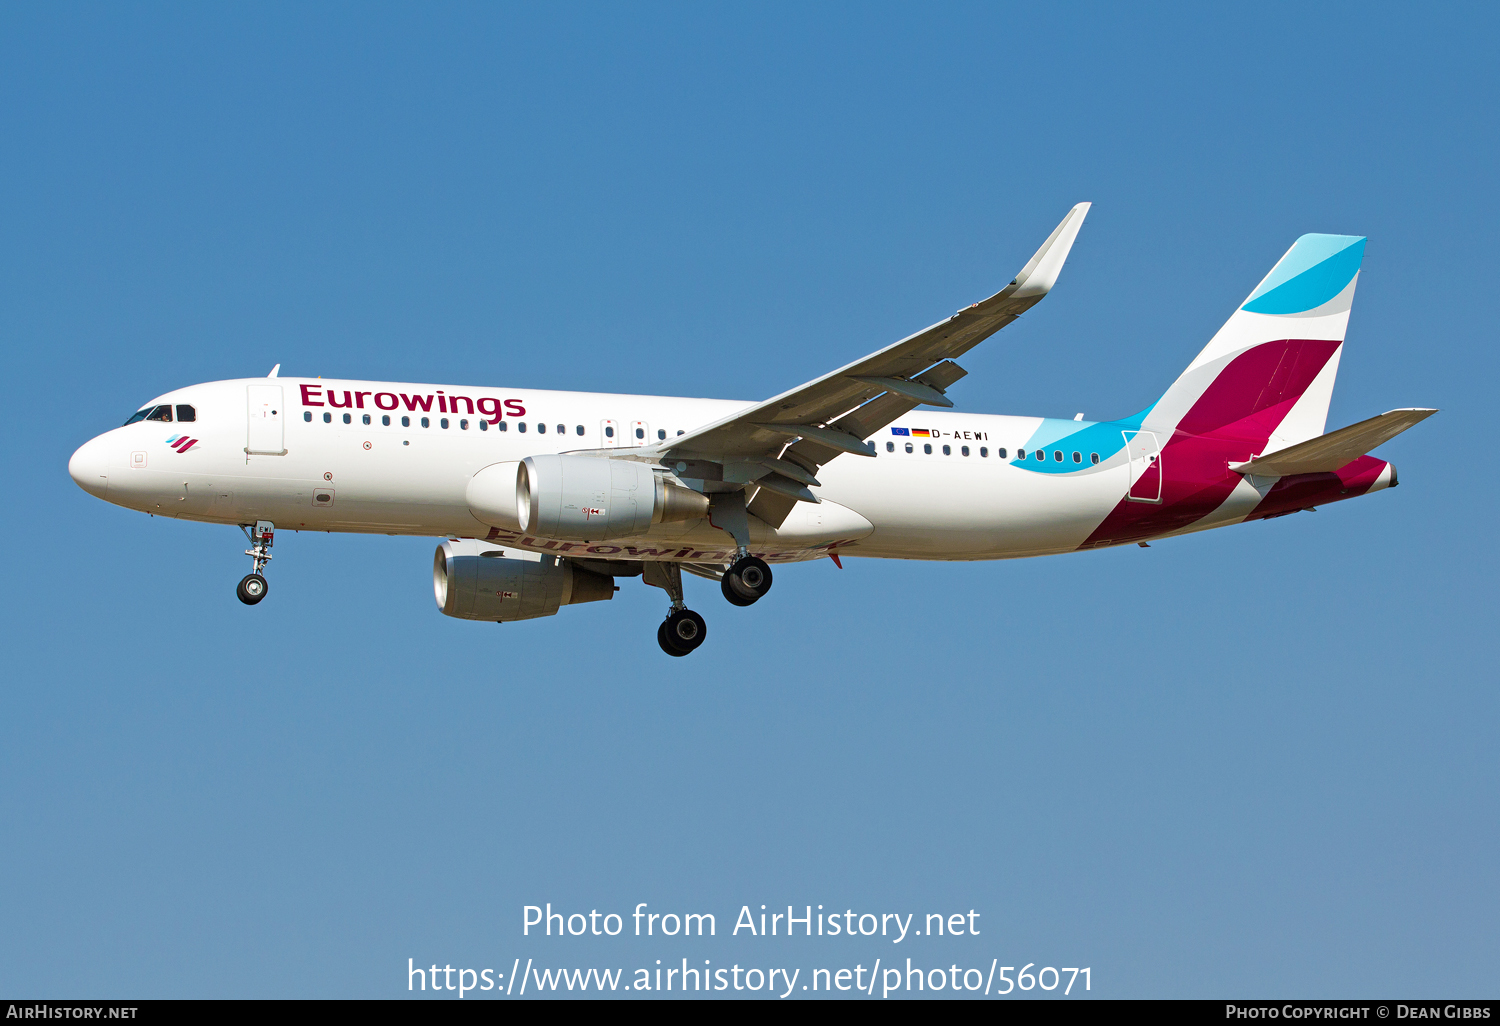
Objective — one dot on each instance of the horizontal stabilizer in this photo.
(1329, 452)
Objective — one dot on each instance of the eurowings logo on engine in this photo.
(182, 443)
(590, 511)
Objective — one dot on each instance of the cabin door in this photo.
(265, 436)
(1145, 466)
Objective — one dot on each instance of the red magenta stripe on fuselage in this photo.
(1231, 422)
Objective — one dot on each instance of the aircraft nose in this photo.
(89, 469)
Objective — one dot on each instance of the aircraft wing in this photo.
(1329, 452)
(798, 431)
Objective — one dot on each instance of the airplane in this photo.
(547, 498)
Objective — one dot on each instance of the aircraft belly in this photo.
(808, 533)
(959, 511)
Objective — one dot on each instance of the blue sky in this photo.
(1254, 762)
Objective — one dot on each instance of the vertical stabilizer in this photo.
(1268, 374)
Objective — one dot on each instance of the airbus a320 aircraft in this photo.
(545, 499)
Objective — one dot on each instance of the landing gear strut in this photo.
(253, 587)
(683, 630)
(746, 580)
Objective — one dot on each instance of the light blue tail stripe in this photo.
(1318, 268)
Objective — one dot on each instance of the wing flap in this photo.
(1329, 452)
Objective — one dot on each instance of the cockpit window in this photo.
(160, 413)
(186, 414)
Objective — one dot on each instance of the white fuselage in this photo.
(375, 477)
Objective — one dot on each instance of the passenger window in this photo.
(502, 426)
(426, 422)
(348, 419)
(327, 418)
(161, 413)
(521, 426)
(541, 429)
(484, 425)
(927, 448)
(661, 434)
(908, 447)
(406, 422)
(890, 446)
(366, 418)
(1020, 453)
(579, 430)
(307, 416)
(1000, 454)
(640, 432)
(609, 432)
(1057, 455)
(385, 420)
(682, 432)
(1039, 454)
(984, 451)
(441, 423)
(964, 450)
(562, 429)
(186, 414)
(1094, 456)
(1078, 457)
(463, 425)
(947, 450)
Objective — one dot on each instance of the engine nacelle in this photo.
(585, 498)
(491, 495)
(475, 581)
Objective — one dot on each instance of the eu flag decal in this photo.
(900, 431)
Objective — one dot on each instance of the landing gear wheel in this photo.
(665, 642)
(252, 589)
(746, 581)
(681, 632)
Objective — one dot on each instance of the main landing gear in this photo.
(683, 630)
(253, 587)
(746, 580)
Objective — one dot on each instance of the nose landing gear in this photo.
(253, 587)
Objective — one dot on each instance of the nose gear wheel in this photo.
(252, 589)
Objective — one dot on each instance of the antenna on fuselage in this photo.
(274, 370)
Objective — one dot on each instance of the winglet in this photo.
(1041, 271)
(274, 371)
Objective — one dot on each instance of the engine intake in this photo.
(584, 498)
(474, 581)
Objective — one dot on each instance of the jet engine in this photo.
(474, 581)
(582, 498)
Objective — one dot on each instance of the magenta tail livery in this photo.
(547, 498)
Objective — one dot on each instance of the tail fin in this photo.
(1268, 374)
